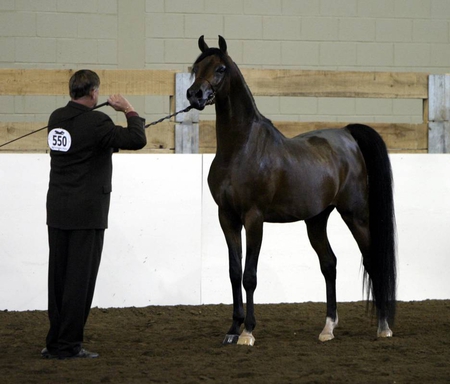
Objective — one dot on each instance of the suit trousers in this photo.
(73, 266)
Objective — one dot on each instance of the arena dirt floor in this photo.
(182, 344)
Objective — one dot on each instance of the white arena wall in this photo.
(164, 245)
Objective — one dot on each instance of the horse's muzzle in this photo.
(199, 98)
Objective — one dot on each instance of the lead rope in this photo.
(187, 109)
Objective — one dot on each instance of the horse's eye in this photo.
(221, 69)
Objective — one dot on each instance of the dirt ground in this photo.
(182, 344)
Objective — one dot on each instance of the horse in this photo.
(258, 175)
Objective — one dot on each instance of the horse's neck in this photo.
(236, 114)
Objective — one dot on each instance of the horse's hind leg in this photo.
(232, 227)
(317, 233)
(359, 227)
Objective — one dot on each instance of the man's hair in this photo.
(82, 82)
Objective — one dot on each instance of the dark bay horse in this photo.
(258, 175)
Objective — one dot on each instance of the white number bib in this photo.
(59, 140)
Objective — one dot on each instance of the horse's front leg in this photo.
(232, 227)
(254, 232)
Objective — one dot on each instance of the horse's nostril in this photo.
(194, 93)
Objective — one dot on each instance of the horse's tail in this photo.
(380, 269)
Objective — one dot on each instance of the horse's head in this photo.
(209, 70)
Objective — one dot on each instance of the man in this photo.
(81, 143)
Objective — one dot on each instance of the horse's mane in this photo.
(249, 92)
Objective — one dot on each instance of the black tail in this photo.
(380, 270)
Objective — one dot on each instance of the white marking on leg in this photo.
(327, 332)
(383, 329)
(246, 338)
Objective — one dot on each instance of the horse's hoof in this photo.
(327, 332)
(326, 336)
(383, 329)
(385, 333)
(230, 339)
(246, 338)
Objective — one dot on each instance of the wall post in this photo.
(186, 127)
(439, 114)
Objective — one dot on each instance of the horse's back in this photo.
(334, 139)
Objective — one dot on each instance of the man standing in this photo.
(81, 143)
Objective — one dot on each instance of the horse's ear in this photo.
(201, 43)
(222, 44)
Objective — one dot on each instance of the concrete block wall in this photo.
(363, 35)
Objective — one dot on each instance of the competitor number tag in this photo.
(59, 140)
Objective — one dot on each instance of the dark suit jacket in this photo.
(81, 146)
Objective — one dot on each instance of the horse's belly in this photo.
(291, 214)
(306, 198)
(282, 219)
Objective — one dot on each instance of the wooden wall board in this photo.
(262, 82)
(55, 81)
(268, 82)
(278, 82)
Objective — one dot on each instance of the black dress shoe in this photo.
(47, 355)
(82, 354)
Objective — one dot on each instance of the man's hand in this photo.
(119, 103)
